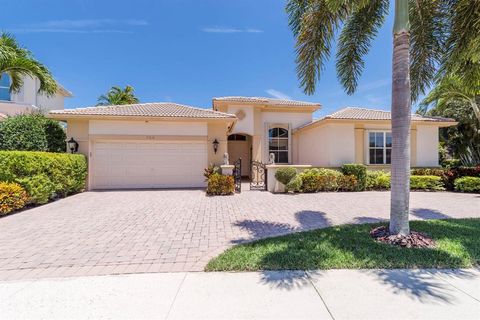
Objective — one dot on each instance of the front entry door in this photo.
(240, 150)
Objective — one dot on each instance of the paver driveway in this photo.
(180, 230)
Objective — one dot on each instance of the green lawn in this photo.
(351, 247)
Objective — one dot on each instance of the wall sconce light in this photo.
(72, 145)
(215, 145)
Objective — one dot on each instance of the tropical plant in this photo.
(453, 97)
(17, 62)
(444, 35)
(118, 96)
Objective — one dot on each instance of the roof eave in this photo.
(66, 116)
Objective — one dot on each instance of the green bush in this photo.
(378, 180)
(44, 175)
(12, 197)
(467, 184)
(295, 185)
(220, 185)
(347, 183)
(32, 132)
(426, 183)
(285, 175)
(439, 172)
(211, 169)
(359, 171)
(315, 180)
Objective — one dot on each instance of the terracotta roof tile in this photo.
(354, 113)
(157, 109)
(276, 102)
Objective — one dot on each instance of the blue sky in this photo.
(186, 51)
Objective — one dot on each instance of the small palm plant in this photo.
(17, 62)
(118, 96)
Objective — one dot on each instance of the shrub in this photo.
(32, 132)
(347, 183)
(211, 169)
(359, 171)
(314, 180)
(378, 180)
(285, 175)
(467, 184)
(220, 185)
(439, 172)
(426, 183)
(12, 197)
(44, 175)
(295, 185)
(454, 173)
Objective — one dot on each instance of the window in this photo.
(380, 147)
(278, 144)
(5, 87)
(237, 137)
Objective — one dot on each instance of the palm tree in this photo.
(17, 62)
(444, 35)
(450, 92)
(117, 96)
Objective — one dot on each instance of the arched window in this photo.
(278, 144)
(5, 87)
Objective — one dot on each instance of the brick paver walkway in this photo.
(180, 230)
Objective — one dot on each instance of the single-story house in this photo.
(167, 145)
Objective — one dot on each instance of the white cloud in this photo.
(81, 26)
(277, 94)
(376, 84)
(230, 30)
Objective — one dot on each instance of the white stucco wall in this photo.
(330, 145)
(28, 99)
(295, 119)
(148, 128)
(427, 146)
(245, 125)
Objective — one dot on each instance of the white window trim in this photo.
(367, 147)
(286, 126)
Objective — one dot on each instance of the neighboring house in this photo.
(28, 99)
(167, 145)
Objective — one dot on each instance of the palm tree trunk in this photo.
(401, 114)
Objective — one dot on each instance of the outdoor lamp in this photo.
(215, 145)
(72, 145)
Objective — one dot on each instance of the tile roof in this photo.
(354, 113)
(276, 102)
(157, 109)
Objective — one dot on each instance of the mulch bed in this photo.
(413, 240)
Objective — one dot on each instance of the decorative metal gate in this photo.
(237, 175)
(259, 176)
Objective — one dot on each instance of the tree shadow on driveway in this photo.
(258, 229)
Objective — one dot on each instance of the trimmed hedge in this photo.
(433, 183)
(32, 132)
(285, 175)
(221, 185)
(467, 184)
(378, 180)
(359, 171)
(12, 197)
(315, 180)
(44, 175)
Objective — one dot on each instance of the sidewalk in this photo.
(333, 294)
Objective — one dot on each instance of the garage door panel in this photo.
(149, 165)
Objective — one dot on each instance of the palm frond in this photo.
(427, 36)
(355, 39)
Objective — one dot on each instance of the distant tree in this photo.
(17, 62)
(453, 98)
(452, 92)
(118, 96)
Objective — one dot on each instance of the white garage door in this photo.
(165, 164)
